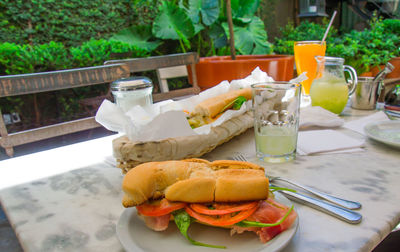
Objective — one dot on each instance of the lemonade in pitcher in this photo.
(330, 89)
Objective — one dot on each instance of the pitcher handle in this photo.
(353, 76)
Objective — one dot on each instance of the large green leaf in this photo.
(173, 23)
(217, 34)
(242, 8)
(251, 38)
(208, 9)
(138, 36)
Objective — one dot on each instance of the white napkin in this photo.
(168, 119)
(317, 116)
(358, 125)
(326, 141)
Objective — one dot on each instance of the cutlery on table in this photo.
(338, 201)
(341, 202)
(336, 211)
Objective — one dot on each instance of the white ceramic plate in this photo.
(135, 236)
(387, 132)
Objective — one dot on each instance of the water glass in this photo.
(276, 108)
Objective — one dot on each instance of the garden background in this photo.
(48, 35)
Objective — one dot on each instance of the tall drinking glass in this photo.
(276, 108)
(304, 55)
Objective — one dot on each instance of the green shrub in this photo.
(19, 59)
(70, 21)
(305, 31)
(15, 59)
(96, 52)
(367, 48)
(392, 26)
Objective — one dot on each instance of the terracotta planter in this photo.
(212, 70)
(366, 74)
(396, 71)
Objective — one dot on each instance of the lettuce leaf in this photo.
(183, 221)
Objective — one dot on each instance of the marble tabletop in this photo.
(68, 199)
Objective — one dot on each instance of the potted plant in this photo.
(392, 26)
(202, 26)
(366, 50)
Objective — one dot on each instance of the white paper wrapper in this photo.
(167, 119)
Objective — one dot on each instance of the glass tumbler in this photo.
(276, 108)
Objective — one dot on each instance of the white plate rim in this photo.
(277, 244)
(368, 131)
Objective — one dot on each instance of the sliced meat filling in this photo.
(157, 223)
(269, 211)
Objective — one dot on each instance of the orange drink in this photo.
(304, 55)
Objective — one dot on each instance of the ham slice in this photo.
(268, 211)
(157, 223)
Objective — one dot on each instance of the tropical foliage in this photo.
(201, 25)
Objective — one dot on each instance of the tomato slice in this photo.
(223, 208)
(221, 220)
(161, 208)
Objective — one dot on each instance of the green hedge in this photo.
(70, 21)
(19, 59)
(60, 105)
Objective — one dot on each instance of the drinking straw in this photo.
(329, 27)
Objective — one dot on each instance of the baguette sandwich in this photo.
(224, 193)
(210, 109)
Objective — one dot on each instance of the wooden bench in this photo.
(13, 85)
(167, 66)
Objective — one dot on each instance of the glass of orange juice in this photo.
(304, 55)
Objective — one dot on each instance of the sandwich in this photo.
(224, 193)
(210, 109)
(132, 153)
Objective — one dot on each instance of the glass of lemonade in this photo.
(276, 120)
(304, 55)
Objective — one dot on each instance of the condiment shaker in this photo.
(132, 91)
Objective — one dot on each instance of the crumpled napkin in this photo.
(167, 119)
(326, 141)
(318, 116)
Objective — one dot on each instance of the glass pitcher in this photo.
(330, 90)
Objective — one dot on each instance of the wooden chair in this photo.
(168, 66)
(13, 85)
(163, 74)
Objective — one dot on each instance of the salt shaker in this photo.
(129, 92)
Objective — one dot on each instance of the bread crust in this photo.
(195, 181)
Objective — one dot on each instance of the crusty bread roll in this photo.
(195, 181)
(130, 154)
(213, 106)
